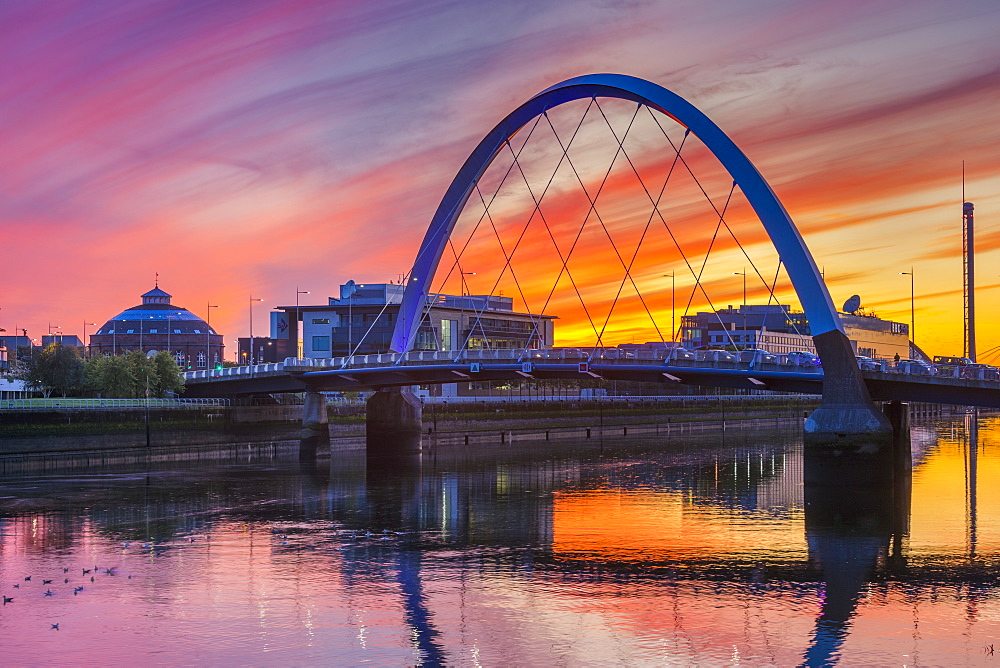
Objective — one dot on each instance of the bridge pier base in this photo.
(847, 418)
(314, 415)
(315, 435)
(393, 422)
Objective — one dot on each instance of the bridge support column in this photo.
(314, 416)
(847, 418)
(315, 436)
(393, 421)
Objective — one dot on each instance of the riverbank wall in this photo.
(76, 429)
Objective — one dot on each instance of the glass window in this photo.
(321, 343)
(197, 331)
(131, 331)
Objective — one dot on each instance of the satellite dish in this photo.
(852, 304)
(348, 289)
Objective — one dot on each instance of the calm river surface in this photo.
(701, 549)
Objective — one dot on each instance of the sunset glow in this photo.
(260, 147)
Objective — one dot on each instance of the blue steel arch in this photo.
(792, 250)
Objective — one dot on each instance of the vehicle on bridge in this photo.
(755, 356)
(950, 366)
(980, 372)
(802, 358)
(675, 354)
(868, 363)
(715, 355)
(914, 367)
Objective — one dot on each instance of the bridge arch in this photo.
(847, 408)
(794, 254)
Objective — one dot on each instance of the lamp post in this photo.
(298, 316)
(744, 305)
(252, 300)
(461, 319)
(208, 332)
(673, 305)
(85, 346)
(141, 327)
(913, 324)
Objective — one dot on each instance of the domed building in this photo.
(156, 325)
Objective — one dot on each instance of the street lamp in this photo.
(298, 331)
(208, 332)
(461, 317)
(743, 307)
(464, 286)
(673, 305)
(252, 300)
(913, 324)
(85, 346)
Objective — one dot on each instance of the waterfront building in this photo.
(778, 329)
(263, 351)
(363, 317)
(12, 343)
(157, 324)
(13, 388)
(63, 340)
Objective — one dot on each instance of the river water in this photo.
(698, 549)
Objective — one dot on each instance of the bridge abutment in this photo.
(393, 421)
(847, 418)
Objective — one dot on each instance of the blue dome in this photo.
(151, 316)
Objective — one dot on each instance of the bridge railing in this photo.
(603, 355)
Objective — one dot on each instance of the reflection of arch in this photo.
(791, 248)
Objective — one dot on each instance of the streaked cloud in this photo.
(263, 145)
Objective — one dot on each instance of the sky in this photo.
(260, 148)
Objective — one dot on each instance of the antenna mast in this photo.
(969, 273)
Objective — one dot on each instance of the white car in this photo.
(715, 356)
(803, 358)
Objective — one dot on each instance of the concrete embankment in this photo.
(74, 429)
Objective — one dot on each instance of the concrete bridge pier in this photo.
(315, 435)
(848, 419)
(393, 422)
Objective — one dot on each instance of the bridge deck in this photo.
(364, 372)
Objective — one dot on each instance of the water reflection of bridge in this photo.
(722, 508)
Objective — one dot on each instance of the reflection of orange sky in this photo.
(940, 520)
(658, 526)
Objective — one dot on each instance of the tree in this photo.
(56, 369)
(168, 375)
(133, 375)
(110, 377)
